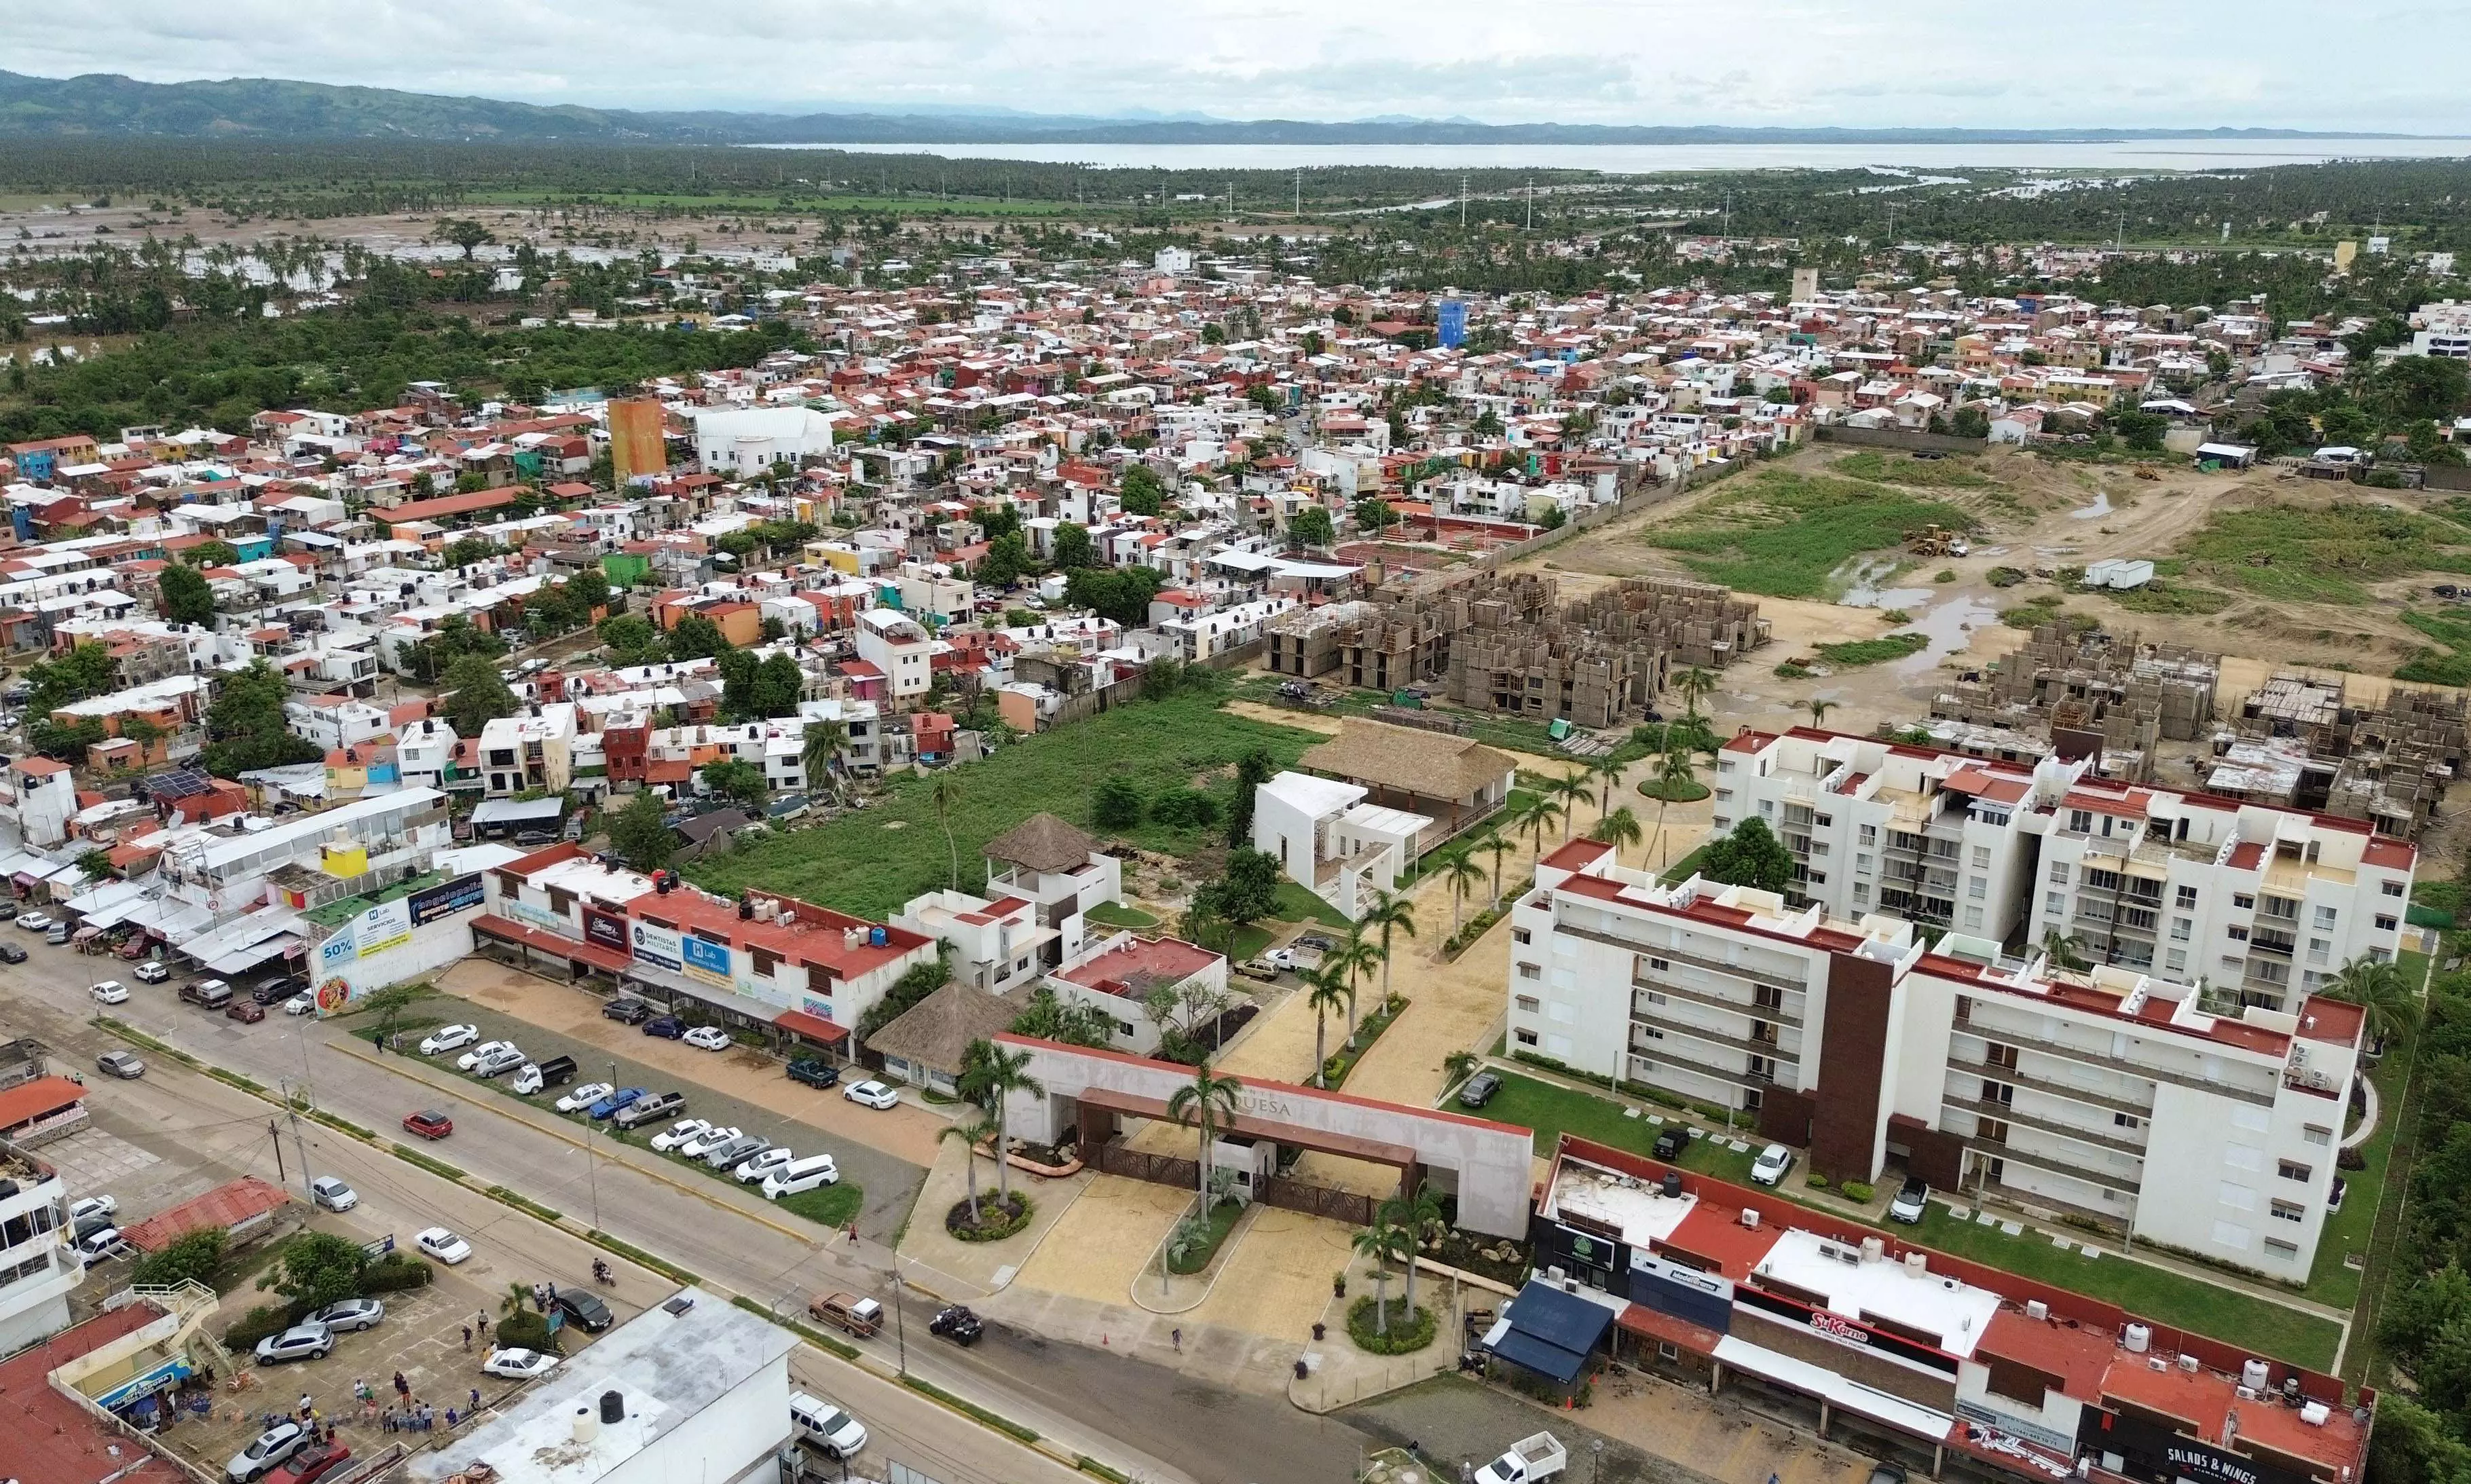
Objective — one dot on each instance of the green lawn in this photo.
(1786, 534)
(832, 1205)
(1295, 905)
(1115, 914)
(2348, 1229)
(872, 861)
(2266, 1326)
(1248, 941)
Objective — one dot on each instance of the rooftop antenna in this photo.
(1463, 202)
(1531, 206)
(1300, 195)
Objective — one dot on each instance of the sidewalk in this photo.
(948, 1267)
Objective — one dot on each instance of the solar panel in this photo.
(178, 783)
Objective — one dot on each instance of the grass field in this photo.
(2326, 554)
(2265, 1327)
(872, 861)
(1787, 536)
(1873, 652)
(1886, 468)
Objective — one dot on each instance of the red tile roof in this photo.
(445, 506)
(48, 1438)
(39, 1098)
(224, 1206)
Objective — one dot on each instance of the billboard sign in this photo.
(706, 960)
(657, 946)
(606, 929)
(384, 925)
(445, 899)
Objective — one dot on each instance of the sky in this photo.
(1856, 63)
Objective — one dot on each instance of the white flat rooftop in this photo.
(1313, 796)
(1934, 1302)
(1381, 819)
(1642, 1212)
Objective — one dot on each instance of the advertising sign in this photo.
(605, 929)
(384, 925)
(445, 899)
(706, 960)
(341, 946)
(657, 946)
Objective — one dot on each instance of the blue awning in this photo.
(1549, 1332)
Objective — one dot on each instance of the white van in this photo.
(814, 1172)
(827, 1427)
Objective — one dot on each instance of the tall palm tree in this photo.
(1675, 773)
(1353, 958)
(820, 748)
(1607, 773)
(976, 1132)
(2060, 949)
(1389, 913)
(1501, 847)
(1325, 995)
(1380, 1243)
(1537, 818)
(1569, 791)
(1819, 709)
(1201, 1101)
(1618, 829)
(1694, 683)
(988, 1073)
(2380, 988)
(946, 793)
(1414, 1215)
(1460, 874)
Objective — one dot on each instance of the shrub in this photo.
(524, 1330)
(997, 1219)
(1816, 1181)
(1409, 1333)
(1185, 809)
(257, 1324)
(195, 1255)
(1856, 1190)
(395, 1272)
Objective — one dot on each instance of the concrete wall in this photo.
(1487, 1163)
(1895, 438)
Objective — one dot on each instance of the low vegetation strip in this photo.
(525, 1203)
(870, 861)
(1886, 468)
(434, 1166)
(138, 1038)
(642, 1258)
(1856, 653)
(971, 1409)
(2326, 553)
(1786, 534)
(815, 1338)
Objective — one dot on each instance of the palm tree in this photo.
(973, 1134)
(1537, 818)
(1675, 773)
(1607, 773)
(1353, 958)
(1458, 1067)
(2060, 949)
(516, 1298)
(1569, 791)
(946, 793)
(1618, 829)
(1389, 913)
(1415, 1214)
(1694, 684)
(1201, 1100)
(1493, 841)
(1325, 995)
(1819, 709)
(1380, 1243)
(2379, 987)
(1460, 874)
(988, 1073)
(820, 748)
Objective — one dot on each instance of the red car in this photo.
(246, 1011)
(427, 1123)
(311, 1464)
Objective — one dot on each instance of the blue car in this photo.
(614, 1101)
(668, 1028)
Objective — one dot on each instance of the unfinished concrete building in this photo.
(2131, 695)
(2388, 764)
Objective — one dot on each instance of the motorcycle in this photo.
(601, 1275)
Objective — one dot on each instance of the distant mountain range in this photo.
(110, 106)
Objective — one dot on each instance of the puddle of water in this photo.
(1949, 626)
(1862, 578)
(2100, 508)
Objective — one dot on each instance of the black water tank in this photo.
(1673, 1184)
(613, 1407)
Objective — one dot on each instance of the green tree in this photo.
(1248, 889)
(1487, 424)
(1751, 856)
(477, 694)
(694, 637)
(1618, 827)
(589, 587)
(87, 670)
(1253, 769)
(1414, 1215)
(464, 233)
(971, 1134)
(1383, 1243)
(245, 726)
(388, 1004)
(2379, 987)
(1201, 1102)
(194, 1258)
(945, 795)
(315, 1269)
(2411, 388)
(1372, 513)
(1461, 876)
(1116, 804)
(989, 1074)
(1140, 492)
(211, 554)
(2141, 432)
(778, 686)
(1311, 526)
(185, 596)
(1390, 912)
(1006, 562)
(631, 638)
(819, 749)
(730, 778)
(1326, 994)
(640, 835)
(1074, 548)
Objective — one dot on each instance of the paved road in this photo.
(1141, 1419)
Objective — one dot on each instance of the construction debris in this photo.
(2299, 741)
(2128, 694)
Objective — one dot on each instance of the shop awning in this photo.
(508, 930)
(1549, 1332)
(1840, 1391)
(810, 1027)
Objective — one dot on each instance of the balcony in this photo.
(1670, 1027)
(1677, 956)
(2051, 1164)
(1655, 1052)
(1643, 982)
(2109, 1063)
(2033, 1121)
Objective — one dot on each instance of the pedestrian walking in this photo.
(402, 1387)
(476, 1399)
(467, 1337)
(387, 1421)
(305, 1407)
(450, 1418)
(1177, 1336)
(552, 1295)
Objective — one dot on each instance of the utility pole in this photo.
(281, 1176)
(292, 1106)
(1463, 183)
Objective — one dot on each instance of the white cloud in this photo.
(1860, 63)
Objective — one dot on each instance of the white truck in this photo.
(1529, 1460)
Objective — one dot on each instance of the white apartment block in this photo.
(38, 1269)
(898, 648)
(2257, 903)
(2110, 1093)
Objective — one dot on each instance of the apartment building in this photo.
(1977, 1070)
(38, 1268)
(2257, 903)
(534, 750)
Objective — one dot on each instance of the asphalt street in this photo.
(1143, 1419)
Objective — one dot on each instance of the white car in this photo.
(707, 1038)
(1771, 1164)
(584, 1097)
(709, 1140)
(679, 1133)
(486, 1050)
(266, 1453)
(754, 1170)
(872, 1094)
(151, 972)
(110, 992)
(518, 1365)
(304, 1003)
(443, 1245)
(92, 1206)
(446, 1038)
(34, 922)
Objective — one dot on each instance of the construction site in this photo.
(2299, 741)
(1509, 644)
(2131, 696)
